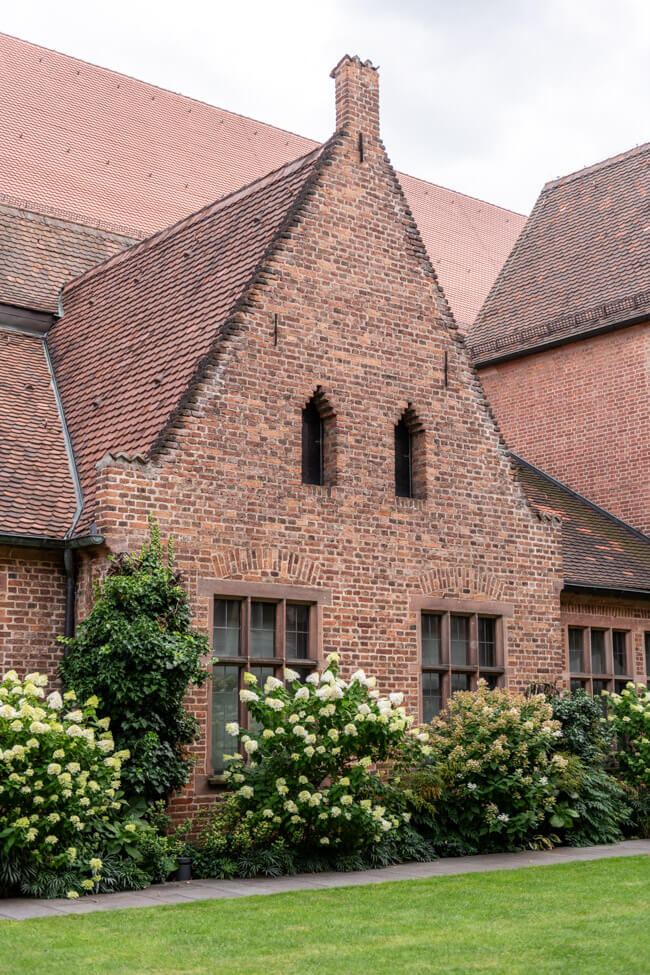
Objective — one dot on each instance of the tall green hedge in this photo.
(138, 652)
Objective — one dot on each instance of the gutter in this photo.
(583, 587)
(551, 343)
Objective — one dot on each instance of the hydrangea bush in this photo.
(61, 808)
(494, 774)
(629, 716)
(311, 778)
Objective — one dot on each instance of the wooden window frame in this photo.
(279, 595)
(646, 657)
(445, 608)
(608, 676)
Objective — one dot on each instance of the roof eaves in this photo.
(580, 497)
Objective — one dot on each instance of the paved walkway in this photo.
(24, 908)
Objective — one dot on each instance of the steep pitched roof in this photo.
(138, 327)
(86, 139)
(581, 264)
(39, 253)
(37, 494)
(598, 549)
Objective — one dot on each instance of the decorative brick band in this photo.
(461, 580)
(275, 562)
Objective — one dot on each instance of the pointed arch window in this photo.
(403, 460)
(409, 456)
(318, 441)
(312, 444)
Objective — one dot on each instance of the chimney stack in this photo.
(357, 99)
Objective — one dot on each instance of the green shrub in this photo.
(492, 780)
(310, 786)
(599, 806)
(63, 827)
(629, 718)
(139, 654)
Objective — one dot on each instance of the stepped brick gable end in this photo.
(345, 301)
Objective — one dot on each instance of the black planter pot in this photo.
(184, 871)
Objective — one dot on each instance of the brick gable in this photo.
(360, 315)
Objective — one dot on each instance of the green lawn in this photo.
(573, 919)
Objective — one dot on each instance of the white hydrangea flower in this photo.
(291, 675)
(248, 696)
(302, 694)
(246, 792)
(313, 678)
(55, 700)
(274, 703)
(271, 684)
(396, 698)
(251, 746)
(232, 728)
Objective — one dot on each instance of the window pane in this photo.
(620, 685)
(262, 639)
(431, 696)
(460, 682)
(578, 685)
(492, 680)
(312, 445)
(576, 664)
(225, 708)
(598, 686)
(261, 673)
(619, 648)
(598, 652)
(459, 639)
(403, 461)
(431, 643)
(487, 654)
(227, 627)
(297, 631)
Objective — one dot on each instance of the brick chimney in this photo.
(357, 98)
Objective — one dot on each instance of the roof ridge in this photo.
(596, 167)
(576, 494)
(149, 84)
(193, 218)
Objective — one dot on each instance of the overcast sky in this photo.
(489, 97)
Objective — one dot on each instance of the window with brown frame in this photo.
(599, 659)
(646, 637)
(458, 649)
(261, 636)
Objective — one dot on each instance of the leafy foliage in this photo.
(138, 652)
(64, 828)
(309, 781)
(492, 779)
(629, 718)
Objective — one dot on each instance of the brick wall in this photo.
(32, 609)
(360, 315)
(581, 413)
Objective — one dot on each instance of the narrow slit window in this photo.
(312, 445)
(403, 460)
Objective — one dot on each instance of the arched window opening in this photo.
(410, 465)
(312, 445)
(403, 461)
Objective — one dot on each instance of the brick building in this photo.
(562, 346)
(280, 380)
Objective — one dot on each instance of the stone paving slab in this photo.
(25, 908)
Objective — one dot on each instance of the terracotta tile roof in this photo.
(40, 253)
(598, 549)
(89, 140)
(581, 264)
(36, 489)
(158, 309)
